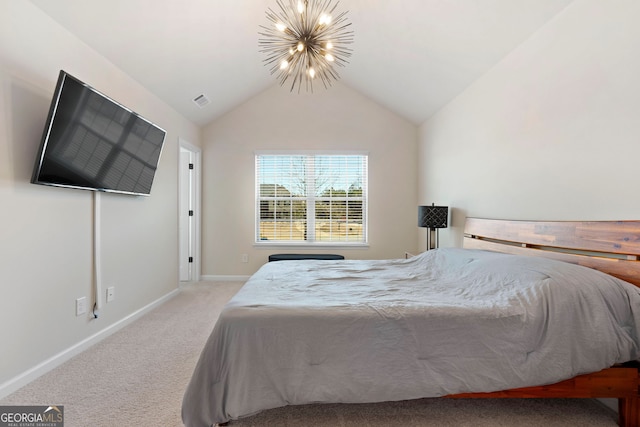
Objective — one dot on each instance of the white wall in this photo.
(334, 119)
(46, 232)
(552, 132)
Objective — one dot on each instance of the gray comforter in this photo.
(447, 321)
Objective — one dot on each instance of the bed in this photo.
(524, 309)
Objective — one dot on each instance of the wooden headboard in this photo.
(612, 247)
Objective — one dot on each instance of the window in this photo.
(311, 198)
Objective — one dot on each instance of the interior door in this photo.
(189, 212)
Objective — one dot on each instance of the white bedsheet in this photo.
(447, 321)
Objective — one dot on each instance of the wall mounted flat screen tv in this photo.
(92, 142)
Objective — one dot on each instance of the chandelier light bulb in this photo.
(325, 19)
(306, 40)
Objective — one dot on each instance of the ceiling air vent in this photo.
(201, 100)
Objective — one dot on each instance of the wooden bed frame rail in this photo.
(621, 382)
(609, 246)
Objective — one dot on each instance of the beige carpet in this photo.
(145, 368)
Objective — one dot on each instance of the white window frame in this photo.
(310, 201)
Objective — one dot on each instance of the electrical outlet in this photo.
(244, 258)
(111, 293)
(81, 306)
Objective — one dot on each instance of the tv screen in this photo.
(91, 142)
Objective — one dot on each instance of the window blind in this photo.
(314, 198)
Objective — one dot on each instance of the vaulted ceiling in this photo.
(411, 56)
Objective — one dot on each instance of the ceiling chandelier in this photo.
(305, 41)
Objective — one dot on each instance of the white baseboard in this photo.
(220, 278)
(25, 378)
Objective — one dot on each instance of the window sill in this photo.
(314, 245)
